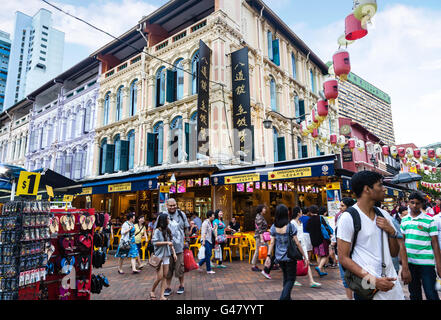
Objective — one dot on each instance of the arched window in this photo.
(159, 130)
(160, 87)
(131, 138)
(116, 157)
(119, 101)
(83, 162)
(86, 117)
(133, 97)
(176, 139)
(179, 79)
(103, 156)
(294, 66)
(194, 72)
(106, 109)
(273, 94)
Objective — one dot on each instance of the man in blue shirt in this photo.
(304, 219)
(197, 220)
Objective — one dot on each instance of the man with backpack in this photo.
(367, 241)
(179, 227)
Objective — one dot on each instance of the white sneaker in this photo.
(266, 275)
(211, 272)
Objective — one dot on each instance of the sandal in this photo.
(136, 271)
(120, 272)
(315, 285)
(163, 298)
(152, 296)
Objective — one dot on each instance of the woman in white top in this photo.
(296, 214)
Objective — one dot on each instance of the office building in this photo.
(5, 51)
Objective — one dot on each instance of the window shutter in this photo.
(252, 141)
(270, 45)
(103, 158)
(124, 155)
(302, 110)
(68, 166)
(58, 165)
(281, 148)
(83, 164)
(131, 151)
(304, 151)
(174, 145)
(187, 140)
(109, 156)
(151, 143)
(87, 120)
(117, 156)
(171, 85)
(193, 141)
(276, 55)
(294, 66)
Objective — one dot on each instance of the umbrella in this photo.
(405, 177)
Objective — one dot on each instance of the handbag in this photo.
(217, 252)
(302, 268)
(263, 252)
(266, 236)
(155, 261)
(125, 245)
(293, 252)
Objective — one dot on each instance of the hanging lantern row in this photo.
(432, 186)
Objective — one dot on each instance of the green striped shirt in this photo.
(419, 232)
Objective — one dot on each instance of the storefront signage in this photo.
(203, 99)
(243, 138)
(288, 174)
(164, 189)
(85, 191)
(28, 183)
(242, 178)
(67, 198)
(120, 187)
(50, 191)
(333, 186)
(346, 154)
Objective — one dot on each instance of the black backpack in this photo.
(357, 225)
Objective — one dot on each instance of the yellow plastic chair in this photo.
(143, 250)
(227, 248)
(116, 236)
(243, 246)
(234, 244)
(197, 245)
(252, 248)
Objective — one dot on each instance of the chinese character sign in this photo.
(243, 143)
(203, 98)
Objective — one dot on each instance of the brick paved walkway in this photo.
(236, 282)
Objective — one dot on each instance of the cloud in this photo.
(111, 16)
(400, 56)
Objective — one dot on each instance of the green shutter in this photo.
(276, 55)
(270, 45)
(151, 141)
(281, 148)
(109, 157)
(304, 151)
(171, 84)
(187, 140)
(252, 140)
(124, 156)
(302, 110)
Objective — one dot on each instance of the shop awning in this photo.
(303, 168)
(53, 179)
(127, 184)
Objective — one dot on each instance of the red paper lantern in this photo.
(315, 133)
(314, 118)
(351, 144)
(333, 139)
(417, 153)
(401, 152)
(322, 108)
(353, 28)
(434, 170)
(385, 150)
(330, 88)
(431, 154)
(342, 64)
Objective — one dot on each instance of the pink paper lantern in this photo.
(353, 28)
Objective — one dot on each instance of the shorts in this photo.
(322, 250)
(307, 241)
(176, 266)
(166, 260)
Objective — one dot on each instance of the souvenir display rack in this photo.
(24, 244)
(69, 268)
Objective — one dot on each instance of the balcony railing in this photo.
(181, 35)
(122, 66)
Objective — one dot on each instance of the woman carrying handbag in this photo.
(162, 242)
(127, 247)
(287, 249)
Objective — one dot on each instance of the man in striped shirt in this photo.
(421, 239)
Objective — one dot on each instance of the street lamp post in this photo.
(267, 123)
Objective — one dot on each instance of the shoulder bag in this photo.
(355, 283)
(125, 244)
(155, 261)
(293, 252)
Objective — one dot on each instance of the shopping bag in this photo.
(266, 236)
(217, 252)
(201, 253)
(189, 263)
(302, 268)
(263, 252)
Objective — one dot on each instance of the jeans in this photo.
(208, 247)
(425, 275)
(289, 270)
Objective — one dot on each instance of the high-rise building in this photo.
(369, 106)
(5, 51)
(36, 55)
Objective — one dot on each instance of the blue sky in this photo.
(401, 55)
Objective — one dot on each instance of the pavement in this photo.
(236, 282)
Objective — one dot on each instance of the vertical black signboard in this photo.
(243, 136)
(203, 98)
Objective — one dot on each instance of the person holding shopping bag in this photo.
(207, 241)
